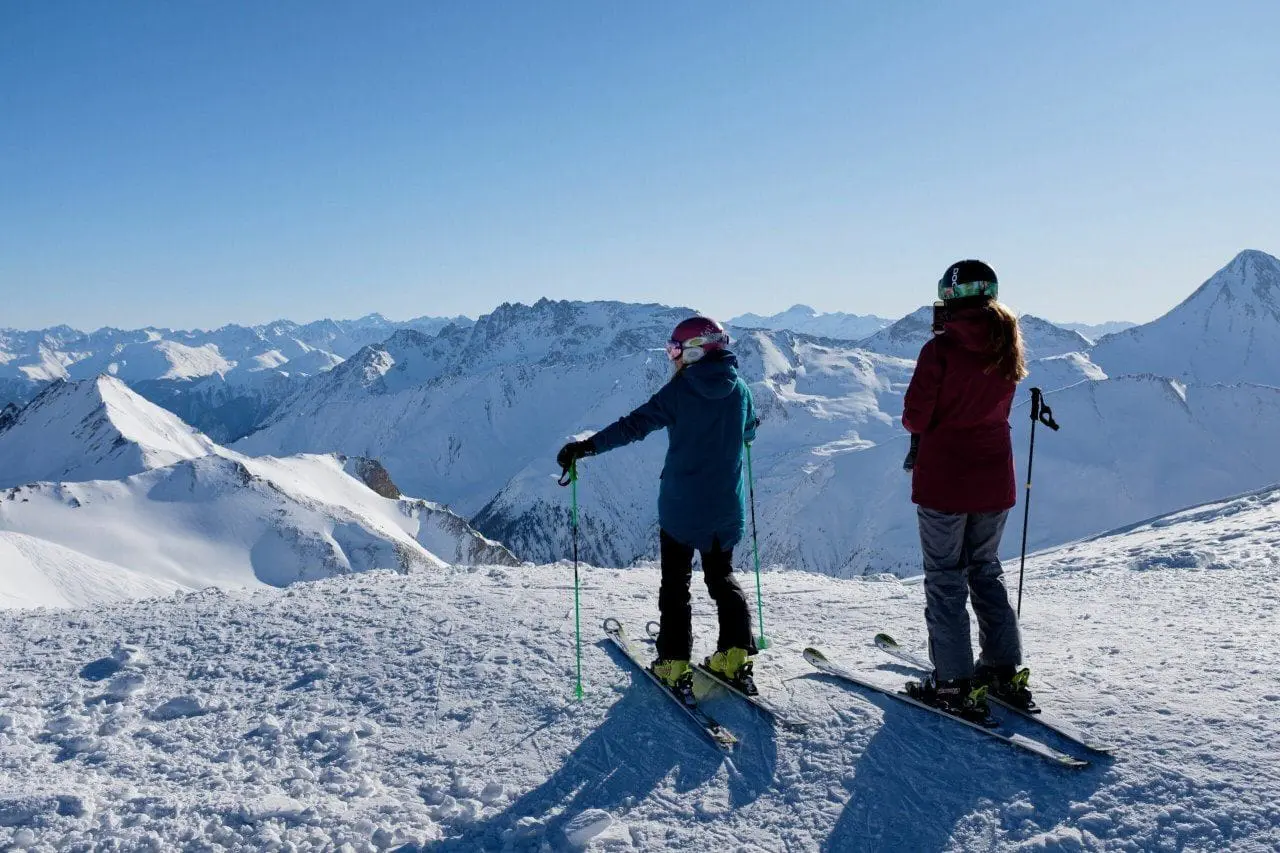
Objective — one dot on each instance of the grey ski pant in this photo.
(961, 559)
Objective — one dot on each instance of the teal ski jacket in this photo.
(708, 413)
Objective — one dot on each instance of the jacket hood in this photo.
(971, 329)
(714, 376)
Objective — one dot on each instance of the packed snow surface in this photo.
(433, 711)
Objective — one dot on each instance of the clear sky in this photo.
(194, 163)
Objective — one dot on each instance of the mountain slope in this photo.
(128, 500)
(458, 415)
(1227, 331)
(95, 429)
(435, 712)
(38, 573)
(1112, 461)
(230, 521)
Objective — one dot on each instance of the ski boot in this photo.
(959, 698)
(1008, 684)
(734, 666)
(677, 675)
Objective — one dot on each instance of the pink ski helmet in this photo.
(694, 338)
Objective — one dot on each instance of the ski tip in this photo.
(885, 641)
(812, 654)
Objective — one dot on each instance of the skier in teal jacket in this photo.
(709, 416)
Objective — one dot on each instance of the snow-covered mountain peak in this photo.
(1251, 281)
(905, 337)
(1228, 330)
(517, 332)
(93, 429)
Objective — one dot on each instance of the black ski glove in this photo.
(909, 463)
(574, 451)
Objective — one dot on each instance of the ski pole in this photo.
(1040, 414)
(762, 642)
(570, 478)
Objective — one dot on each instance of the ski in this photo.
(1060, 727)
(760, 702)
(820, 662)
(722, 738)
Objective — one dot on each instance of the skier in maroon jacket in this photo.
(957, 411)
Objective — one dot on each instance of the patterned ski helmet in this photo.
(966, 279)
(694, 338)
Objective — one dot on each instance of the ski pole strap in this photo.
(1040, 411)
(568, 475)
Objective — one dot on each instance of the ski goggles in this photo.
(675, 349)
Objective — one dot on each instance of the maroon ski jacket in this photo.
(961, 413)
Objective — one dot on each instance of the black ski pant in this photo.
(675, 639)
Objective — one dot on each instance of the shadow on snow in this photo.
(642, 740)
(920, 777)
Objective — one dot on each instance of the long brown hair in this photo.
(1009, 355)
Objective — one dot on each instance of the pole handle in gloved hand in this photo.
(570, 454)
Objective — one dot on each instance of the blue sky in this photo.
(197, 163)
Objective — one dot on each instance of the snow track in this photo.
(433, 711)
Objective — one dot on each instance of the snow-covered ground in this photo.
(434, 711)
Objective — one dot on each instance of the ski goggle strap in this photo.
(948, 291)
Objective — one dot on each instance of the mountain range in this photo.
(470, 415)
(224, 381)
(806, 320)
